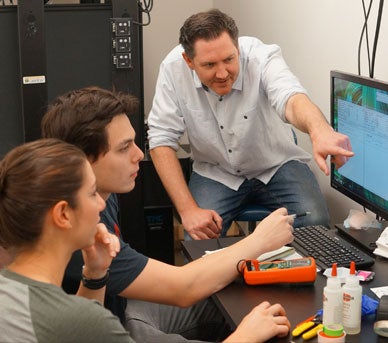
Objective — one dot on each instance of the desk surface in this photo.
(300, 301)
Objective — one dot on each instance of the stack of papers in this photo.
(282, 253)
(278, 254)
(382, 244)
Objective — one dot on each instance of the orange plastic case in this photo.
(300, 270)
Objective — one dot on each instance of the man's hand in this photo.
(98, 256)
(308, 118)
(201, 223)
(275, 230)
(331, 143)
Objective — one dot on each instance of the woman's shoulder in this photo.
(78, 319)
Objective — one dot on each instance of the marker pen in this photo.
(297, 215)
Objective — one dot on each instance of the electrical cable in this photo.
(371, 60)
(364, 31)
(379, 15)
(240, 266)
(145, 7)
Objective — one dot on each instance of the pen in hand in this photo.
(297, 215)
(291, 217)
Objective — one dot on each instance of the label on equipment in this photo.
(29, 80)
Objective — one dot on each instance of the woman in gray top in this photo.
(49, 207)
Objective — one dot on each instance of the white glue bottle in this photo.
(352, 298)
(332, 299)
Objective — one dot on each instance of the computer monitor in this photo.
(359, 109)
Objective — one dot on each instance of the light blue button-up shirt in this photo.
(241, 135)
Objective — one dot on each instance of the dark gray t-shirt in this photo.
(33, 311)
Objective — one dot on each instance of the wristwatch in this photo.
(95, 283)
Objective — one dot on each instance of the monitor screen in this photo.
(359, 109)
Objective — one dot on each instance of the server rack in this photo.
(47, 50)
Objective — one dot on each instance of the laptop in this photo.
(363, 238)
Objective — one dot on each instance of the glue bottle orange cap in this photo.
(334, 269)
(352, 268)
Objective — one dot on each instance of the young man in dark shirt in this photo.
(96, 120)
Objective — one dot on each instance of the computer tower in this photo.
(160, 233)
(47, 50)
(151, 229)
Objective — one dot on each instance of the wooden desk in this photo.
(300, 301)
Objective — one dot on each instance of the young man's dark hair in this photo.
(80, 117)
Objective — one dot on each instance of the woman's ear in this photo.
(61, 215)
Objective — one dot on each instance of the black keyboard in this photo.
(321, 243)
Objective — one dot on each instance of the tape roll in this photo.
(381, 328)
(333, 330)
(382, 309)
(323, 338)
(381, 324)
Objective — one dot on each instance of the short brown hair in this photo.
(80, 117)
(33, 178)
(206, 25)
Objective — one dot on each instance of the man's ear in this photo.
(61, 215)
(188, 60)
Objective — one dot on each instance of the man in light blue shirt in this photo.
(237, 100)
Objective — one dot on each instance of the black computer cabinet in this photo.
(65, 47)
(150, 230)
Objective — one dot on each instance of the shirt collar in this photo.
(238, 83)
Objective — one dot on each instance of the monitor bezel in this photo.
(381, 212)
